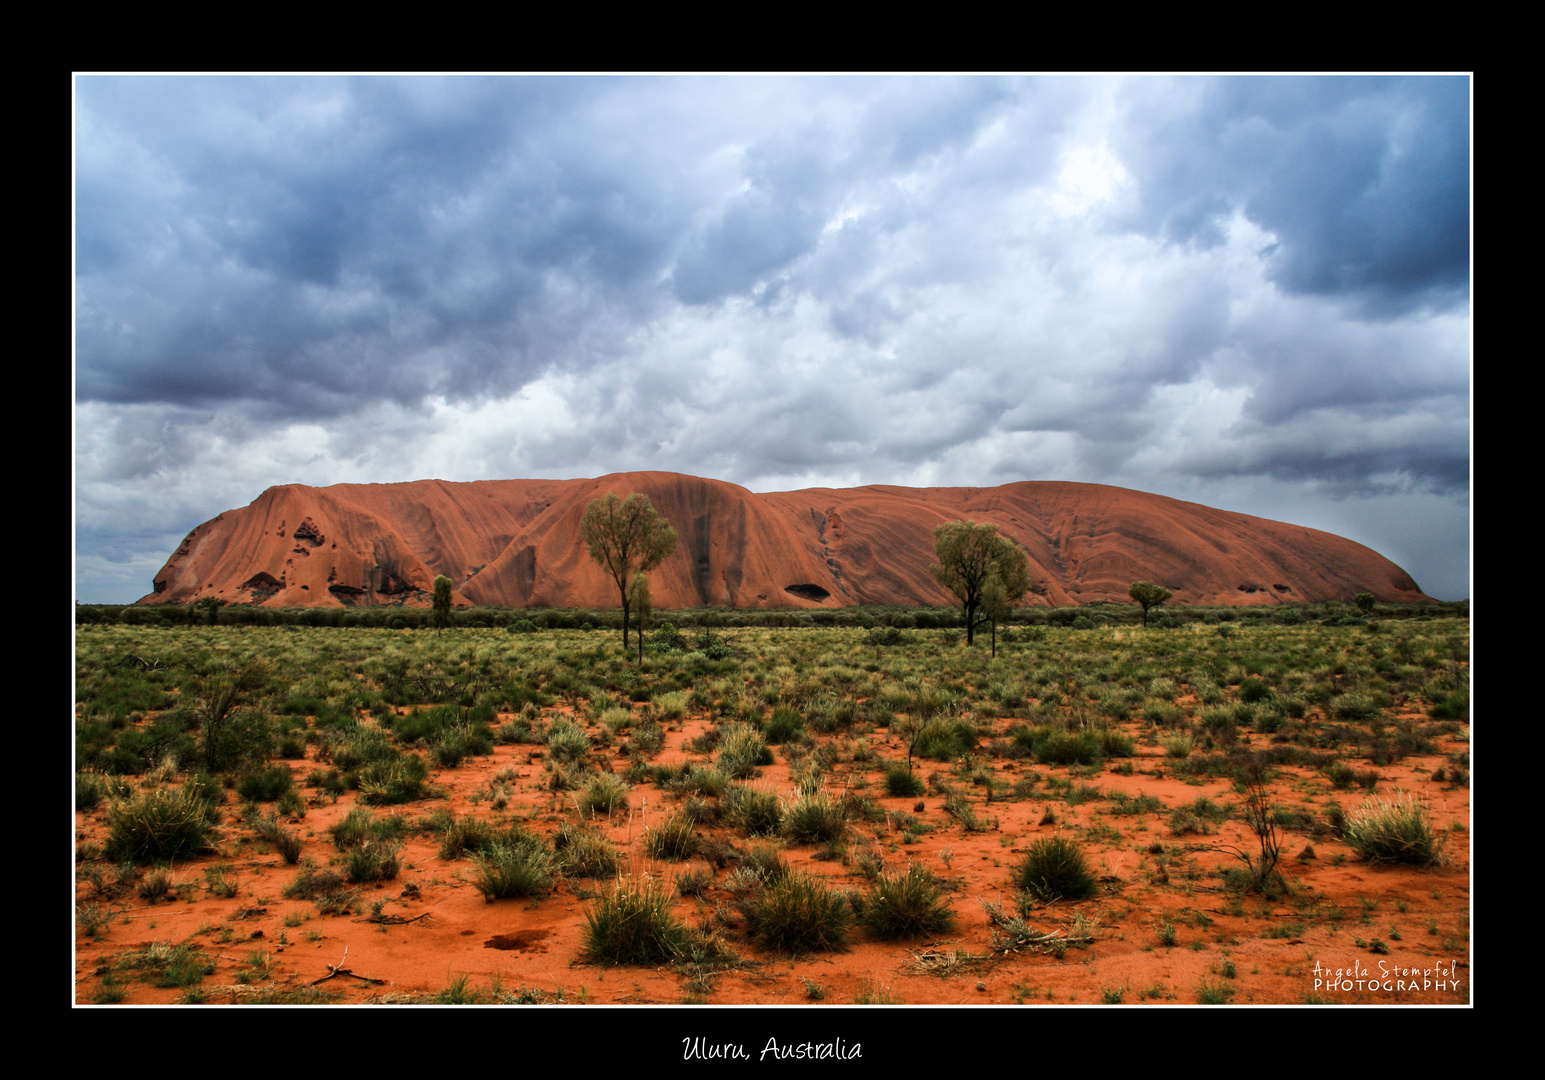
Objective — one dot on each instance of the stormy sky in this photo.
(1248, 292)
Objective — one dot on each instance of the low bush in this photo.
(159, 826)
(813, 818)
(393, 781)
(758, 813)
(285, 841)
(905, 905)
(1055, 869)
(606, 793)
(1055, 747)
(798, 914)
(374, 860)
(1392, 831)
(584, 853)
(674, 838)
(513, 867)
(902, 782)
(633, 924)
(741, 752)
(567, 741)
(265, 784)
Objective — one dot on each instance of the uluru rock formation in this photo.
(516, 543)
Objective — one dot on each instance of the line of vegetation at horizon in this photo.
(1087, 616)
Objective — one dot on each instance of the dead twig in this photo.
(339, 969)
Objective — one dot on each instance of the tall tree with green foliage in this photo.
(442, 608)
(972, 553)
(995, 606)
(627, 537)
(1148, 595)
(641, 607)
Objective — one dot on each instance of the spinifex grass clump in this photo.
(905, 905)
(798, 914)
(158, 826)
(513, 866)
(265, 784)
(674, 838)
(608, 792)
(1392, 830)
(285, 841)
(757, 812)
(567, 741)
(1054, 746)
(813, 818)
(741, 751)
(633, 924)
(901, 781)
(1055, 869)
(374, 860)
(584, 853)
(393, 781)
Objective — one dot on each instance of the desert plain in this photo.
(1217, 775)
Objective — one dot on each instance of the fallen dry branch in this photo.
(1012, 934)
(947, 962)
(397, 920)
(339, 969)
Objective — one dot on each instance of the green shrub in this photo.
(758, 813)
(567, 741)
(902, 782)
(285, 841)
(462, 836)
(905, 905)
(741, 751)
(266, 784)
(785, 725)
(633, 924)
(159, 826)
(674, 838)
(513, 867)
(393, 781)
(373, 860)
(944, 740)
(798, 914)
(766, 863)
(1055, 869)
(1056, 747)
(1253, 690)
(461, 742)
(1115, 743)
(1392, 830)
(606, 793)
(813, 818)
(584, 853)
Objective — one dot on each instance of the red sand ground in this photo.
(1420, 915)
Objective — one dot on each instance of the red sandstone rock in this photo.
(516, 543)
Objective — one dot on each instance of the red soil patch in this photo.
(439, 928)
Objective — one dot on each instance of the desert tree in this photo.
(642, 606)
(627, 537)
(1364, 602)
(971, 554)
(995, 605)
(1148, 595)
(442, 603)
(234, 735)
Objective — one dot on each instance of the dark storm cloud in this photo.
(1188, 285)
(314, 244)
(1365, 181)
